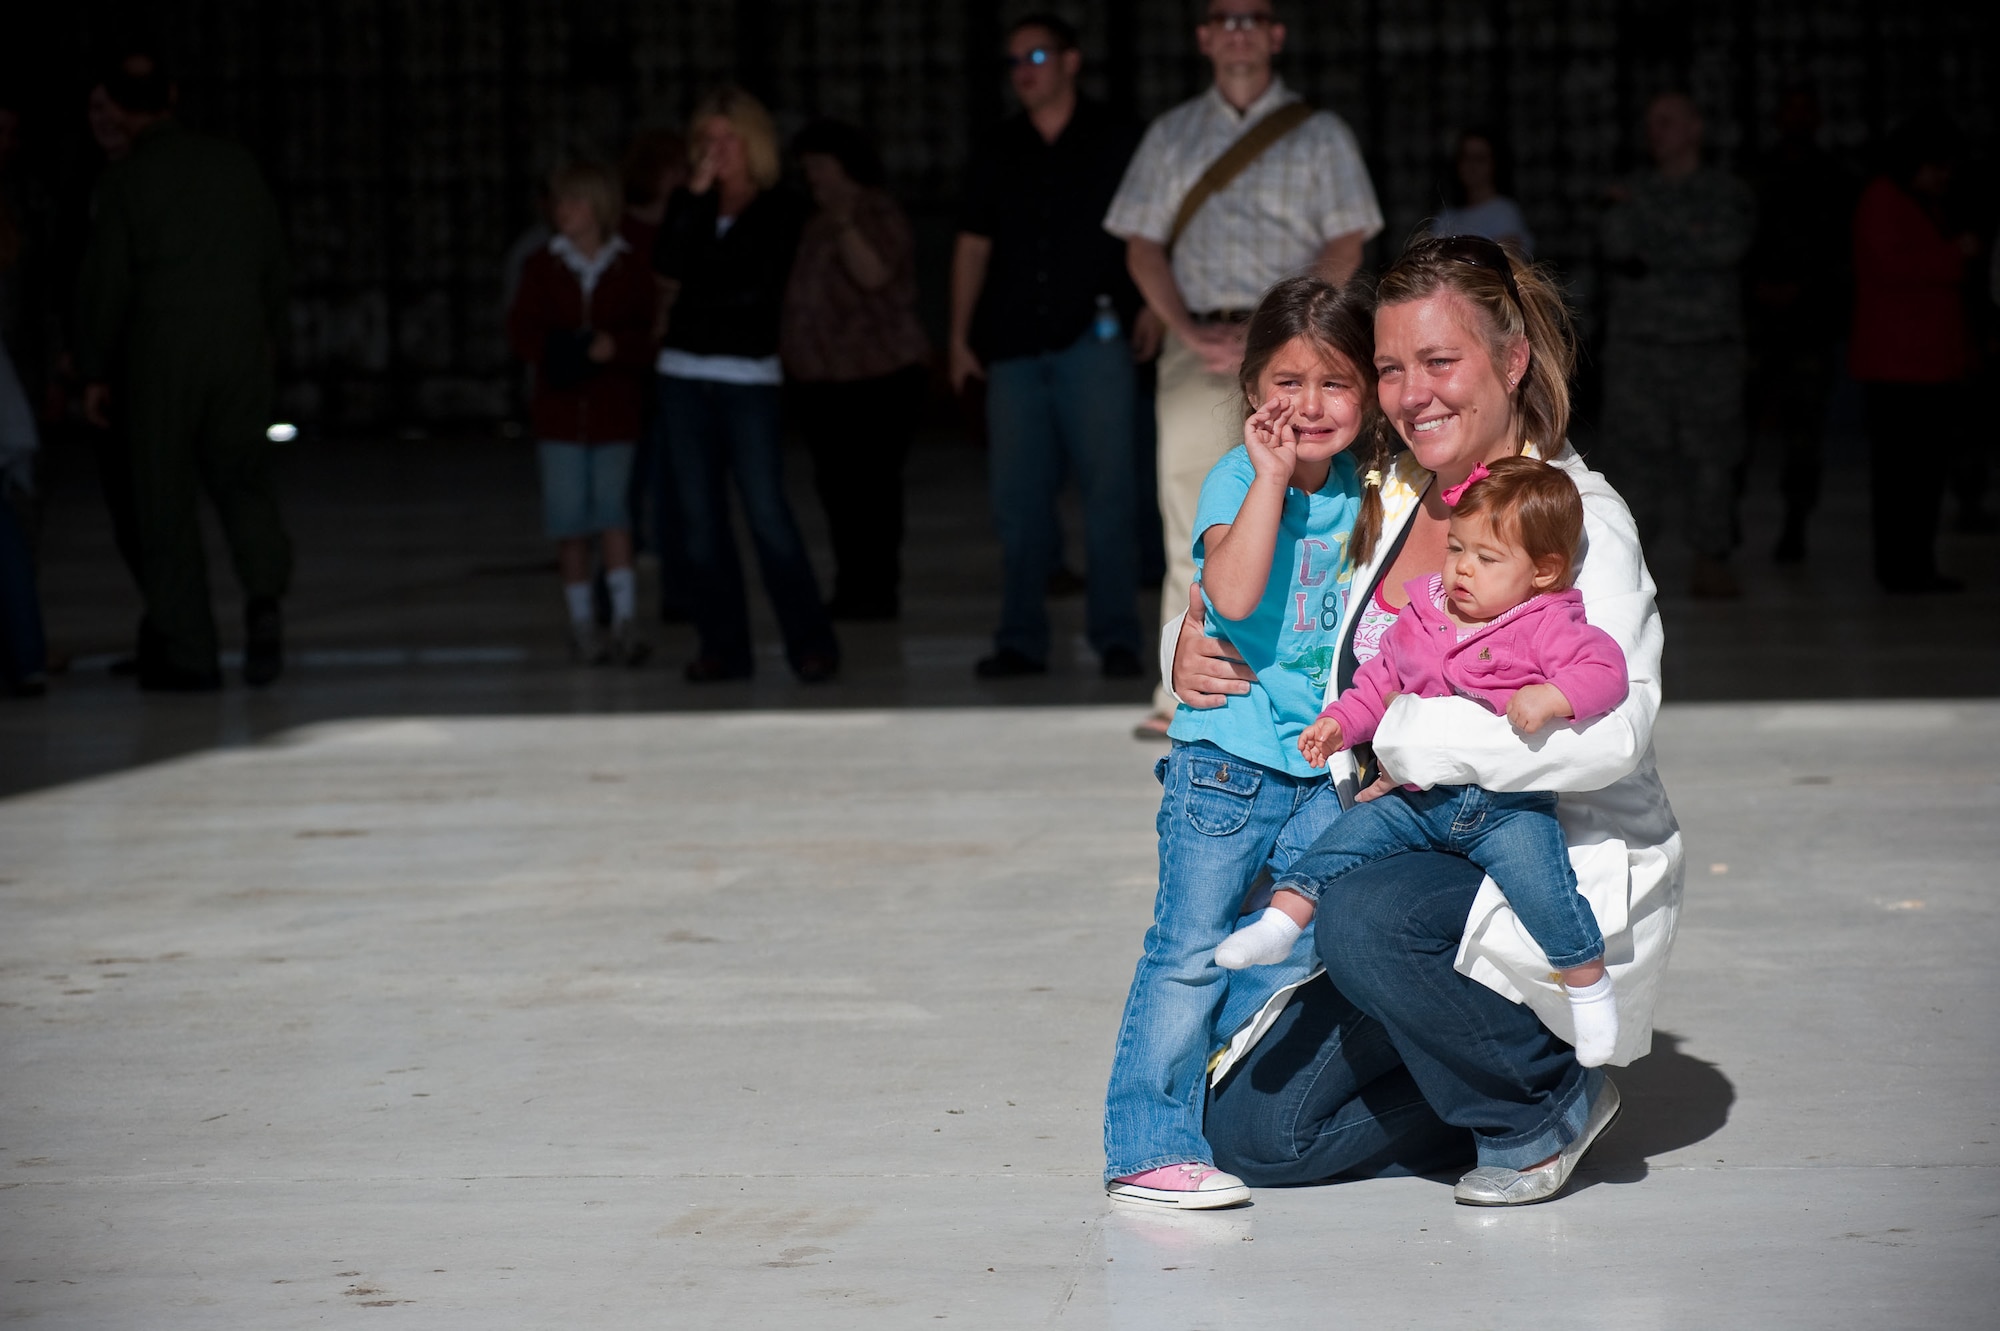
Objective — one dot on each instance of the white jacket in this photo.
(1623, 841)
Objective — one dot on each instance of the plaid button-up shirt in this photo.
(1271, 222)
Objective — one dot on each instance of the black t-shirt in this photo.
(1805, 210)
(732, 285)
(1042, 205)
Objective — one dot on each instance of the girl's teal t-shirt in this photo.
(1290, 638)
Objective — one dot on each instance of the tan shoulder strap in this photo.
(1236, 160)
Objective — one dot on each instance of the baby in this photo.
(1501, 626)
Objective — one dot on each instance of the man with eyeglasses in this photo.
(1207, 233)
(1040, 308)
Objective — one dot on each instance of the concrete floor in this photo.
(804, 1018)
(446, 982)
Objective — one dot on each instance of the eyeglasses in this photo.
(1041, 55)
(1480, 253)
(1239, 22)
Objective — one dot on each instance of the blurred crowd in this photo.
(678, 313)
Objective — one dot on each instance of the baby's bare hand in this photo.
(1536, 706)
(1320, 741)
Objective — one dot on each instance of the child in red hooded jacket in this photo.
(583, 318)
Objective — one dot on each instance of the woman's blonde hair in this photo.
(597, 185)
(1514, 298)
(752, 124)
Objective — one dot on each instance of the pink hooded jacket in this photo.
(1544, 640)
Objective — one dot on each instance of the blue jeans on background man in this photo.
(716, 431)
(1222, 822)
(1304, 1109)
(1514, 837)
(1076, 404)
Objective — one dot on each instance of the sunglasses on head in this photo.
(1480, 253)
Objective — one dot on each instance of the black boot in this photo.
(1791, 547)
(263, 642)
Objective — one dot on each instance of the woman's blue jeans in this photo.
(716, 431)
(1325, 1095)
(1328, 1093)
(23, 648)
(654, 489)
(1222, 823)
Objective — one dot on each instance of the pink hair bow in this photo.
(1454, 493)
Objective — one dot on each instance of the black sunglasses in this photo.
(1480, 253)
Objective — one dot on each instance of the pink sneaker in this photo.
(1188, 1187)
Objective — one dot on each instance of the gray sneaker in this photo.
(586, 646)
(627, 647)
(1490, 1185)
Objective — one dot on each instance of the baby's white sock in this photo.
(1265, 941)
(578, 596)
(1595, 1013)
(624, 589)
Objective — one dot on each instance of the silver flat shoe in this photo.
(1490, 1185)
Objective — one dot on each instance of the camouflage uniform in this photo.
(181, 303)
(1674, 360)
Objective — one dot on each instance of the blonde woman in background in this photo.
(727, 244)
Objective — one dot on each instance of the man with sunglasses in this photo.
(1040, 309)
(1203, 249)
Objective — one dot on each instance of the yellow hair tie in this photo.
(1373, 478)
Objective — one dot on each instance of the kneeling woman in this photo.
(1439, 1035)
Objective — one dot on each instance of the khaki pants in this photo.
(1200, 418)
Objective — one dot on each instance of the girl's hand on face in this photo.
(1271, 442)
(705, 162)
(703, 174)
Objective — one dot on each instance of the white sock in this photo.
(578, 595)
(624, 591)
(1265, 941)
(1595, 1013)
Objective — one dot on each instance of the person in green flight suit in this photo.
(182, 300)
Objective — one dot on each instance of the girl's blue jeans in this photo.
(1223, 822)
(1514, 837)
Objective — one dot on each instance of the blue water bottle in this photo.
(1106, 324)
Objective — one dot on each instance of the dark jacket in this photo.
(731, 286)
(1042, 205)
(602, 407)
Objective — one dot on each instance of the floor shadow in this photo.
(1671, 1100)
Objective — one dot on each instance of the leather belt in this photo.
(1223, 316)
